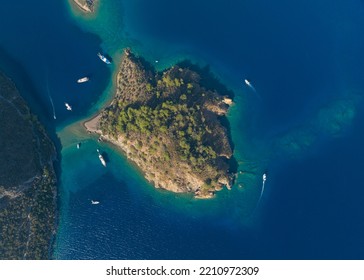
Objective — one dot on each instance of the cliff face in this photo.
(170, 126)
(27, 180)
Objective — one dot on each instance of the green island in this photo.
(27, 180)
(171, 126)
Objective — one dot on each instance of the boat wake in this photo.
(50, 97)
(262, 191)
(54, 111)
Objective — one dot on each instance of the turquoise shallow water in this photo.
(301, 126)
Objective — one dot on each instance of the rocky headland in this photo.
(27, 180)
(171, 126)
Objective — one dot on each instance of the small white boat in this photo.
(94, 202)
(249, 84)
(83, 80)
(103, 162)
(264, 177)
(68, 106)
(78, 145)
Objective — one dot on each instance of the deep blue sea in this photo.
(302, 125)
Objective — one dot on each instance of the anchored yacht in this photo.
(83, 80)
(103, 162)
(103, 58)
(68, 106)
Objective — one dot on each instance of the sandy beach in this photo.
(92, 124)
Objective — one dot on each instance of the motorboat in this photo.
(83, 80)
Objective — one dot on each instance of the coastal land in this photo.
(172, 125)
(87, 6)
(28, 189)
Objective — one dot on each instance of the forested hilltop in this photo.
(27, 180)
(171, 127)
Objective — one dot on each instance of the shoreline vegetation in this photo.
(87, 6)
(28, 190)
(172, 125)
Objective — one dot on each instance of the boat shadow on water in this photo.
(105, 156)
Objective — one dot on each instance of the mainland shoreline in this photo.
(28, 180)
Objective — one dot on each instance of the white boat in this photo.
(264, 177)
(68, 106)
(94, 202)
(249, 84)
(83, 80)
(78, 145)
(103, 162)
(103, 58)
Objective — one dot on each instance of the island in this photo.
(87, 6)
(28, 190)
(171, 126)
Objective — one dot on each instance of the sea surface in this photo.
(302, 125)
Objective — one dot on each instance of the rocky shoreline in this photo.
(191, 152)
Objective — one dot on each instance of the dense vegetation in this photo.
(27, 180)
(175, 119)
(168, 119)
(28, 220)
